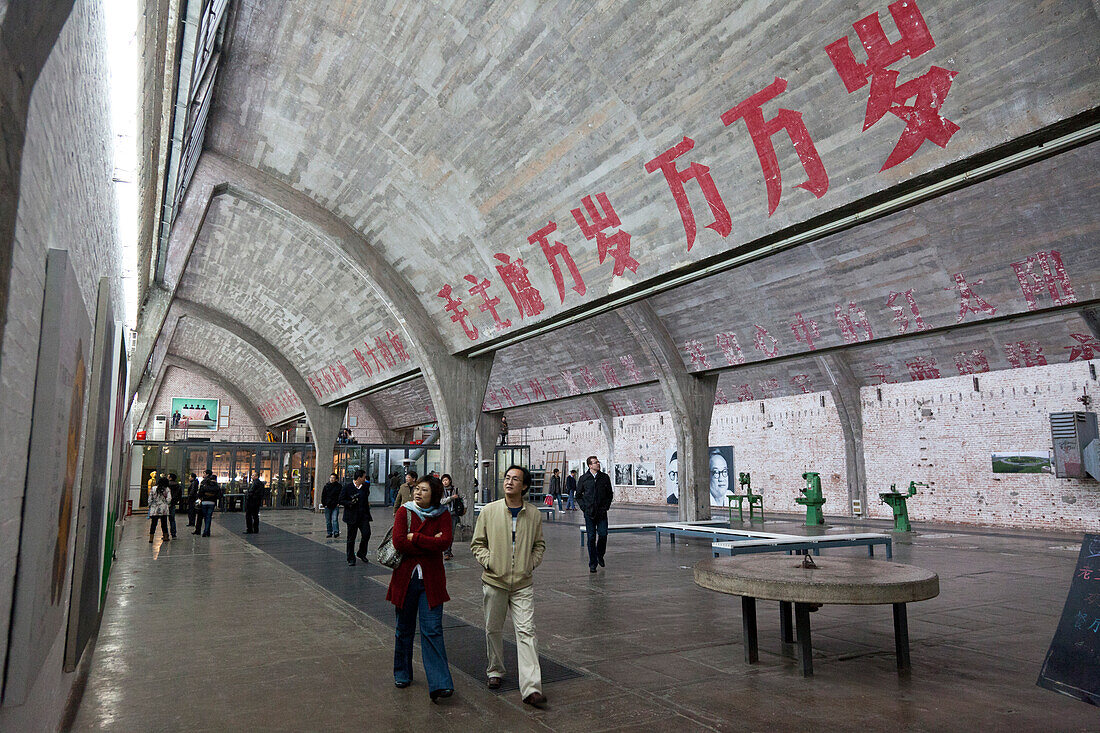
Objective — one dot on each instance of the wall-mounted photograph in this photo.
(1022, 461)
(624, 474)
(194, 413)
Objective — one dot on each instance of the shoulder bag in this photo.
(387, 554)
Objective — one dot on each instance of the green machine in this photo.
(812, 499)
(896, 500)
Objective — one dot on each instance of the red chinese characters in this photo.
(922, 367)
(761, 132)
(1025, 354)
(850, 319)
(631, 369)
(458, 315)
(517, 280)
(969, 301)
(761, 339)
(676, 179)
(1087, 347)
(971, 362)
(553, 251)
(880, 373)
(617, 244)
(695, 352)
(805, 331)
(731, 350)
(1044, 271)
(481, 289)
(803, 383)
(901, 318)
(609, 374)
(922, 116)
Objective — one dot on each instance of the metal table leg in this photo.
(901, 637)
(802, 627)
(748, 623)
(786, 626)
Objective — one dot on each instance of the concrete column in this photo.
(691, 404)
(488, 435)
(607, 424)
(325, 422)
(844, 388)
(458, 387)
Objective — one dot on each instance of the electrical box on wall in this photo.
(1071, 434)
(300, 431)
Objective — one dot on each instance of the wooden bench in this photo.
(802, 545)
(646, 527)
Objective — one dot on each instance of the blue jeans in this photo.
(207, 517)
(432, 649)
(596, 547)
(572, 502)
(332, 521)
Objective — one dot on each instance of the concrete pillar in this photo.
(607, 424)
(325, 422)
(488, 435)
(458, 387)
(844, 388)
(691, 402)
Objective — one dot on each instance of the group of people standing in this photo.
(166, 496)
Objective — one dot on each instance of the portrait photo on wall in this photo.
(194, 413)
(624, 474)
(645, 474)
(720, 459)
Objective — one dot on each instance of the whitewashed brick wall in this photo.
(182, 383)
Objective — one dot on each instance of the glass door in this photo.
(306, 480)
(266, 464)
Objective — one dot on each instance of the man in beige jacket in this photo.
(508, 543)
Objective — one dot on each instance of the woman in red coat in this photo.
(421, 532)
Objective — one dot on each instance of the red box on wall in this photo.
(140, 435)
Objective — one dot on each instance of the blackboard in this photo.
(1072, 664)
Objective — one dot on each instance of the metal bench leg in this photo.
(748, 624)
(802, 627)
(889, 550)
(870, 550)
(786, 627)
(901, 637)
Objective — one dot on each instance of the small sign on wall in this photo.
(1022, 461)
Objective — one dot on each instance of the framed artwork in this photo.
(1022, 461)
(195, 413)
(624, 474)
(720, 459)
(645, 474)
(53, 475)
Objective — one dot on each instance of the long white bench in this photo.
(687, 529)
(549, 511)
(648, 526)
(798, 544)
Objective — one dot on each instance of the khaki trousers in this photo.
(522, 604)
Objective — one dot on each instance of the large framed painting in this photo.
(53, 475)
(194, 413)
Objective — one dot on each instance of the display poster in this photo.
(194, 413)
(1072, 664)
(720, 460)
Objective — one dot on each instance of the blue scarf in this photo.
(424, 514)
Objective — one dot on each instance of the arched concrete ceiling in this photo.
(451, 134)
(265, 388)
(270, 272)
(405, 405)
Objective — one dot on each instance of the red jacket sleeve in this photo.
(428, 540)
(400, 532)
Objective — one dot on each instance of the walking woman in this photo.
(421, 532)
(453, 501)
(160, 502)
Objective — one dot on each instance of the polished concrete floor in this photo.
(215, 634)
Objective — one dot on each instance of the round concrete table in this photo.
(843, 580)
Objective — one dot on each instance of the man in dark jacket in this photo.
(209, 496)
(330, 500)
(176, 492)
(253, 499)
(555, 488)
(594, 494)
(571, 490)
(355, 499)
(192, 497)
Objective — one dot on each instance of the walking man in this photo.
(594, 494)
(330, 500)
(356, 502)
(555, 487)
(509, 546)
(192, 498)
(571, 490)
(405, 493)
(176, 492)
(209, 496)
(252, 502)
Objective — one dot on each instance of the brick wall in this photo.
(365, 429)
(776, 440)
(182, 383)
(66, 201)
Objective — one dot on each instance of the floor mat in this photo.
(322, 565)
